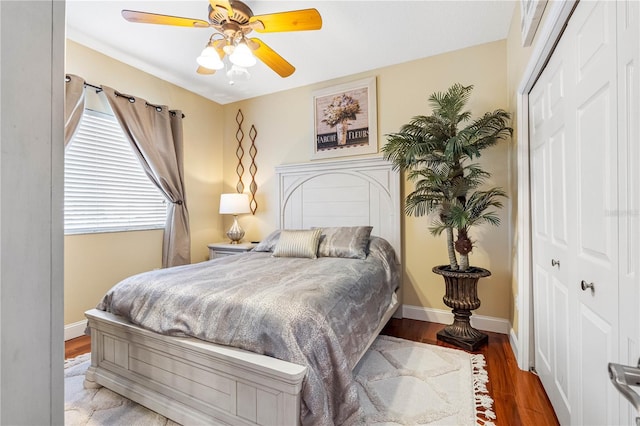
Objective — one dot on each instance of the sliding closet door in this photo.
(551, 260)
(629, 188)
(575, 229)
(553, 201)
(594, 108)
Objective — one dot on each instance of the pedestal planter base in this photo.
(461, 296)
(470, 345)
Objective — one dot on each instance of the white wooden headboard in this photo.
(350, 192)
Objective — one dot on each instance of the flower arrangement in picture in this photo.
(338, 113)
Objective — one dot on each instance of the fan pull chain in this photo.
(253, 169)
(239, 151)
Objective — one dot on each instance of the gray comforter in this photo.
(314, 312)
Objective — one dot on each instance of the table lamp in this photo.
(234, 204)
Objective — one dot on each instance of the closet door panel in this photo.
(597, 179)
(594, 33)
(629, 188)
(543, 324)
(540, 192)
(557, 166)
(594, 107)
(597, 403)
(561, 331)
(552, 201)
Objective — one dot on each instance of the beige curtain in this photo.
(73, 105)
(155, 134)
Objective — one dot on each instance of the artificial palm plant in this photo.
(437, 152)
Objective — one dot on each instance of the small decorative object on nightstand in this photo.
(217, 250)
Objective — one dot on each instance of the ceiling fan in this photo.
(233, 21)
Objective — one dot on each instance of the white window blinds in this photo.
(105, 187)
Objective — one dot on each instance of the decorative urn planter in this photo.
(461, 296)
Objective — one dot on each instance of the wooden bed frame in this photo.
(195, 382)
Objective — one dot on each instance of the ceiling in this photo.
(356, 36)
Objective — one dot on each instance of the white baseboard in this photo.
(76, 329)
(513, 340)
(481, 322)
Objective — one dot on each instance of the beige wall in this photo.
(93, 263)
(285, 134)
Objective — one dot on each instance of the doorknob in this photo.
(623, 377)
(555, 263)
(585, 285)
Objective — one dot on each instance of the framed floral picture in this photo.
(345, 120)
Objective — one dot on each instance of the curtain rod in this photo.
(99, 89)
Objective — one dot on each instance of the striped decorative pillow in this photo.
(298, 243)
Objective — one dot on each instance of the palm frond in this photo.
(437, 151)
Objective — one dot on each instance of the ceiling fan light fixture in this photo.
(233, 21)
(242, 56)
(209, 58)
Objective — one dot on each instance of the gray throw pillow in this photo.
(351, 242)
(269, 243)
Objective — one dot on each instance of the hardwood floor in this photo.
(519, 398)
(78, 346)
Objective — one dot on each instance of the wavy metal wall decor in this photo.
(253, 169)
(239, 151)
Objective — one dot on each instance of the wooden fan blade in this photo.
(205, 71)
(272, 59)
(223, 3)
(295, 20)
(153, 18)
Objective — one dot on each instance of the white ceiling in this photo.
(356, 36)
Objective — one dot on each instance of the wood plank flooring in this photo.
(519, 398)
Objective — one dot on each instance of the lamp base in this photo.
(235, 233)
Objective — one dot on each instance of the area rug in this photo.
(399, 383)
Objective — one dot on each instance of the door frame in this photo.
(550, 34)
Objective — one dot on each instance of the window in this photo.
(105, 187)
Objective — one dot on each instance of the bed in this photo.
(193, 381)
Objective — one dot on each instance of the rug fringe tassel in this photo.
(484, 403)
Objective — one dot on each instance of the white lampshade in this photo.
(234, 203)
(209, 58)
(242, 56)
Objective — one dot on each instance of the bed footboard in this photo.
(191, 381)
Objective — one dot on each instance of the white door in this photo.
(629, 189)
(594, 109)
(553, 201)
(574, 199)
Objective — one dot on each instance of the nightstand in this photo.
(217, 250)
